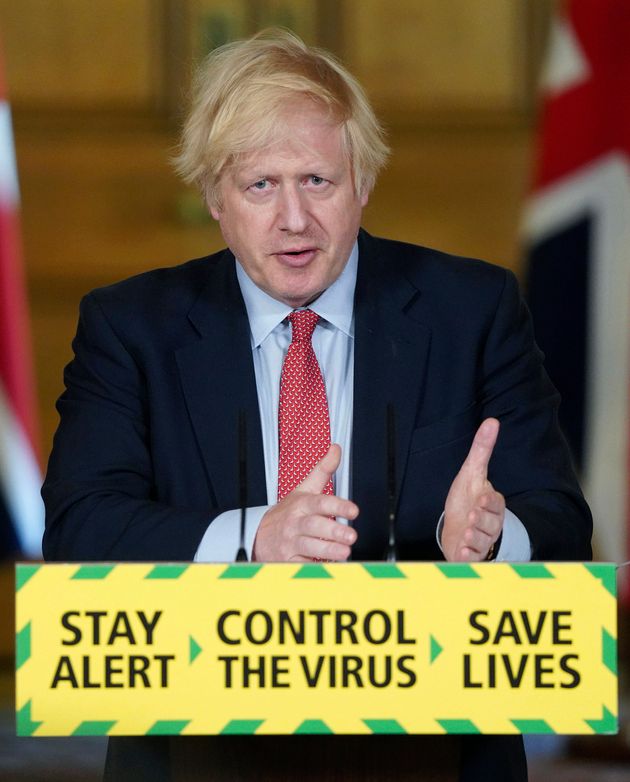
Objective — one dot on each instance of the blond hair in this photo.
(241, 91)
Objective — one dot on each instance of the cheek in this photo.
(233, 227)
(245, 237)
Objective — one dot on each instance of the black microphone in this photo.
(391, 552)
(241, 555)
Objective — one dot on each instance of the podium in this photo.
(252, 664)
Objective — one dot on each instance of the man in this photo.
(286, 149)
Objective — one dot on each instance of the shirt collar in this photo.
(335, 304)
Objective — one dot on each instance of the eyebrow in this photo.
(324, 169)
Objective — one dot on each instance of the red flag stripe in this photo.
(583, 170)
(591, 118)
(15, 365)
(20, 476)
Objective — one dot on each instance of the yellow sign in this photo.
(139, 649)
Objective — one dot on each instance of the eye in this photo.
(261, 184)
(316, 180)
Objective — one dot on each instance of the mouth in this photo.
(298, 257)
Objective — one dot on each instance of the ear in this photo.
(213, 203)
(364, 197)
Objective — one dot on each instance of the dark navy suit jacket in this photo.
(146, 451)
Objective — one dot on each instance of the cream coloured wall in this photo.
(82, 54)
(418, 59)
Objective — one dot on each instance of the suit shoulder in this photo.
(152, 308)
(428, 261)
(181, 282)
(427, 264)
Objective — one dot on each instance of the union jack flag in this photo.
(577, 231)
(21, 509)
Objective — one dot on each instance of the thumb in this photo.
(319, 476)
(482, 447)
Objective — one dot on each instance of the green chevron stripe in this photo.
(24, 725)
(23, 646)
(435, 650)
(384, 570)
(609, 651)
(458, 570)
(93, 572)
(313, 727)
(93, 728)
(194, 650)
(241, 570)
(167, 728)
(241, 727)
(606, 573)
(312, 571)
(166, 571)
(24, 573)
(533, 726)
(532, 570)
(608, 723)
(385, 726)
(458, 726)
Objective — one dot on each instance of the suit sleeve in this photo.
(99, 491)
(531, 464)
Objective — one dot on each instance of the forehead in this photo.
(303, 134)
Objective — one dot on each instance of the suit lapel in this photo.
(391, 350)
(217, 375)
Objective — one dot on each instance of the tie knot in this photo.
(303, 324)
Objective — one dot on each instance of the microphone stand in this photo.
(391, 552)
(241, 555)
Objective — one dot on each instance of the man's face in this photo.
(289, 212)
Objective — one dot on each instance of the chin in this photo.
(300, 298)
(295, 303)
(298, 287)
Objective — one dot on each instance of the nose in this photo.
(293, 215)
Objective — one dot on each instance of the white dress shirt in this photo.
(333, 343)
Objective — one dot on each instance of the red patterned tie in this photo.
(303, 422)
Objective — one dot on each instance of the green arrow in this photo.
(435, 650)
(194, 649)
(25, 726)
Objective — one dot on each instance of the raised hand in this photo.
(300, 528)
(474, 510)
